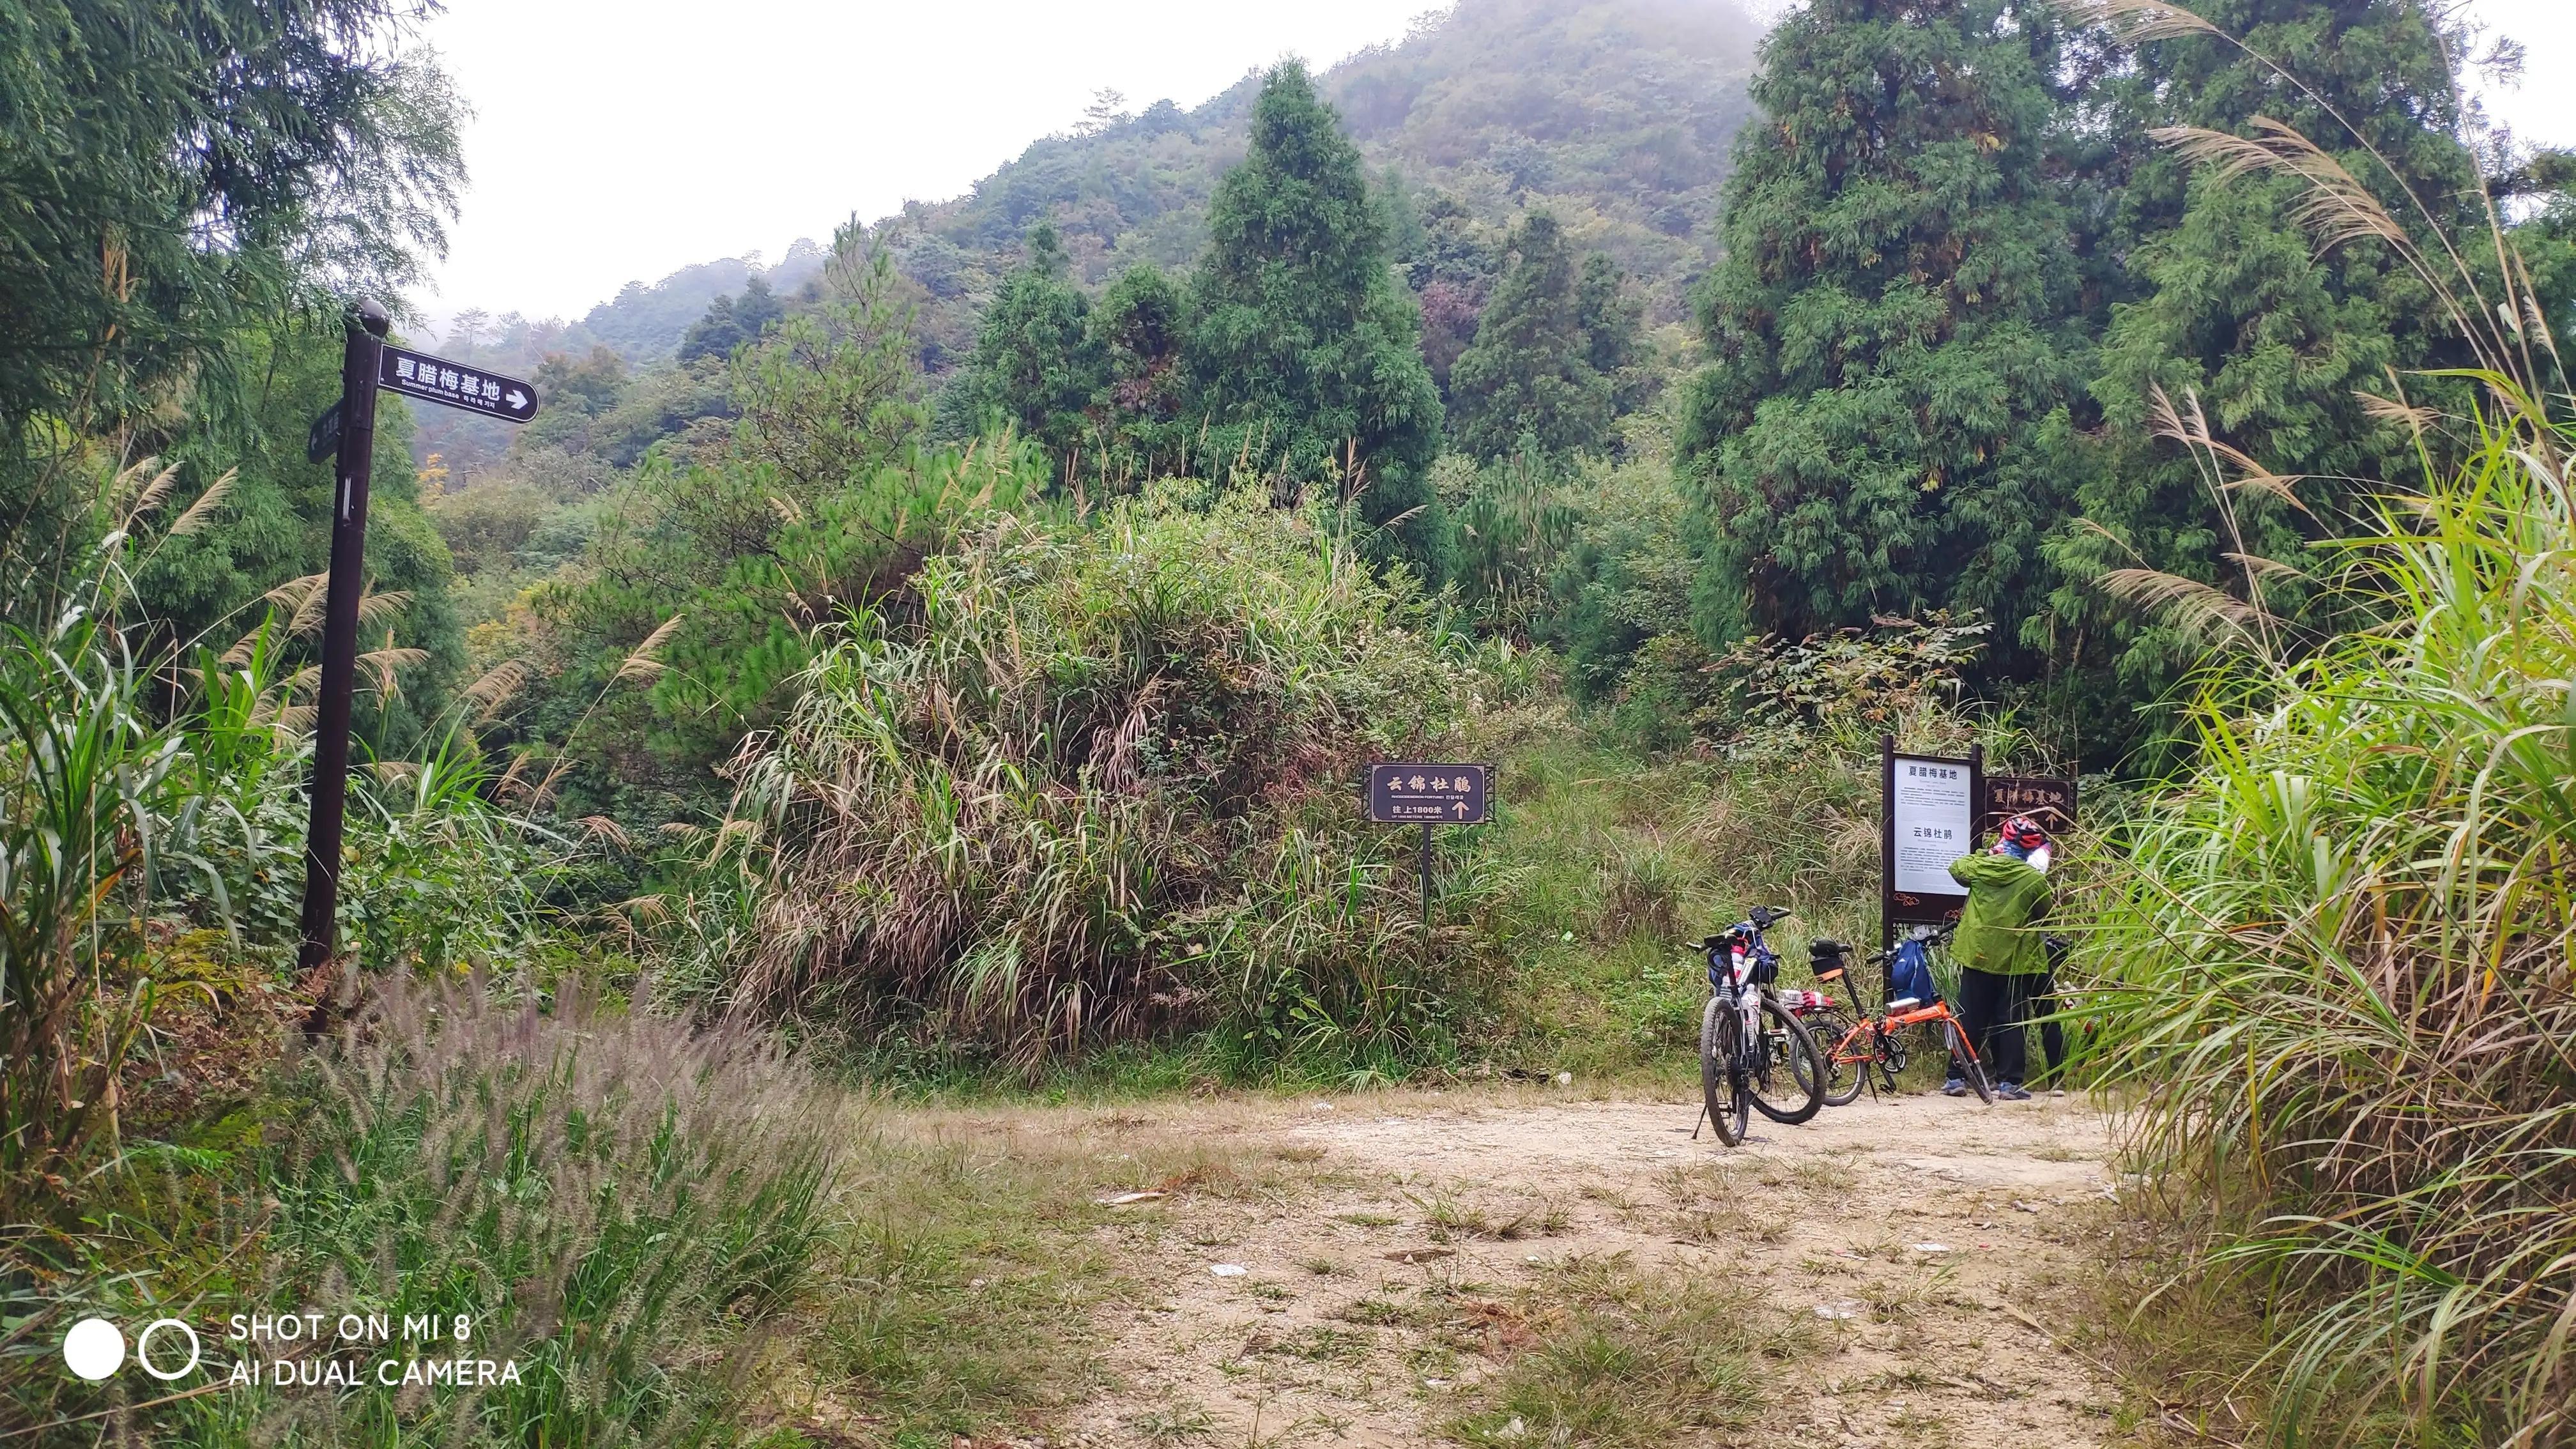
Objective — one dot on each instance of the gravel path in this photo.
(1913, 1248)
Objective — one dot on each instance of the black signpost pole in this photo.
(1426, 895)
(1976, 796)
(358, 364)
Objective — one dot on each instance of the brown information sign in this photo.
(2043, 798)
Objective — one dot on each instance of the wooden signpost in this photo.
(348, 429)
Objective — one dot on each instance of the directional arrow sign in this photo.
(457, 384)
(1418, 792)
(323, 438)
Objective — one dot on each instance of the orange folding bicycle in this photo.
(1854, 1042)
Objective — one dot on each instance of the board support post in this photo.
(1426, 896)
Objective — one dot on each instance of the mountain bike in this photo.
(1852, 1045)
(1753, 1055)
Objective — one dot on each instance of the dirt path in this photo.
(1419, 1243)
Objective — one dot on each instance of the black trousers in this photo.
(2043, 1005)
(1992, 1009)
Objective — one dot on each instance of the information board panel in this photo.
(1933, 807)
(1928, 818)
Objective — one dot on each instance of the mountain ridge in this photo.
(1618, 115)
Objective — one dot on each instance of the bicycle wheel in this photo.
(1965, 1063)
(1842, 1051)
(1784, 1079)
(1719, 1075)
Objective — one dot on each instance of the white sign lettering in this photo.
(1935, 825)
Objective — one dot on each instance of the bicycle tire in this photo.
(1727, 1112)
(1834, 1032)
(1802, 1049)
(1970, 1070)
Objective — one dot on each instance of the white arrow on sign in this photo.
(1462, 809)
(516, 399)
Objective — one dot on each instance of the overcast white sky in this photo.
(617, 140)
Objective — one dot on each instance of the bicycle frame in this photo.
(1741, 963)
(1861, 1046)
(1736, 961)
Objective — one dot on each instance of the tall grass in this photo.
(149, 787)
(81, 776)
(2338, 943)
(1107, 786)
(620, 1205)
(2343, 948)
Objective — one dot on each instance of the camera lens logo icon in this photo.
(95, 1348)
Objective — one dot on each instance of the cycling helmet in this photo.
(2019, 837)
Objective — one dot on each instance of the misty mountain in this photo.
(1616, 114)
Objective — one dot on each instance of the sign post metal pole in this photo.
(1886, 842)
(359, 360)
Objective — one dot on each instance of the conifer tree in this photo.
(1139, 327)
(1614, 324)
(1527, 383)
(1036, 365)
(2228, 302)
(727, 324)
(1305, 354)
(1893, 354)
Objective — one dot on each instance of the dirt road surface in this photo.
(1905, 1259)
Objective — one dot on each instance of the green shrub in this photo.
(1105, 788)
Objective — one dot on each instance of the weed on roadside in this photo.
(1640, 1358)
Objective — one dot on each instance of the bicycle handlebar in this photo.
(1925, 933)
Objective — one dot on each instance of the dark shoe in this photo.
(2013, 1092)
(1955, 1087)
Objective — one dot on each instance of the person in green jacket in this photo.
(2000, 951)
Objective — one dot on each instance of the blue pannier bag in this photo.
(1909, 974)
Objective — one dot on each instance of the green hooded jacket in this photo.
(1996, 934)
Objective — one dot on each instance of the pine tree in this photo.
(1891, 325)
(1527, 383)
(728, 324)
(1036, 365)
(1305, 353)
